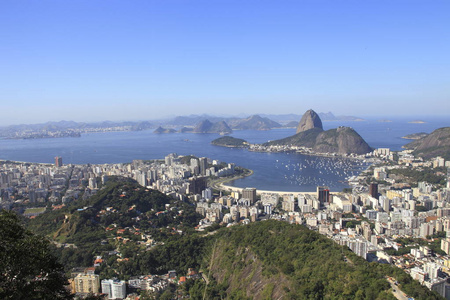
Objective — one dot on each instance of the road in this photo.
(396, 290)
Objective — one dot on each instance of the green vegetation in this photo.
(432, 241)
(229, 141)
(93, 225)
(413, 176)
(304, 264)
(28, 270)
(34, 210)
(263, 260)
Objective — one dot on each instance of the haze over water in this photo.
(272, 171)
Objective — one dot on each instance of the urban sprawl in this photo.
(382, 217)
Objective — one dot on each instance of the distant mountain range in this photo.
(183, 123)
(208, 127)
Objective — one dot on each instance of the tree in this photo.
(28, 269)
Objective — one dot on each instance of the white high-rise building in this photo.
(115, 289)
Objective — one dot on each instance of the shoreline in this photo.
(229, 188)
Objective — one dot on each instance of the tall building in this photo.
(448, 178)
(196, 185)
(323, 194)
(373, 190)
(87, 283)
(203, 161)
(249, 193)
(58, 161)
(115, 289)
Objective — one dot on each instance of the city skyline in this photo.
(92, 61)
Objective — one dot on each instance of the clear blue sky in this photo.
(135, 60)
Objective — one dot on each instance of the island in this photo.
(161, 130)
(231, 142)
(417, 122)
(415, 136)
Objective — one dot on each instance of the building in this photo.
(249, 193)
(373, 190)
(58, 161)
(114, 288)
(196, 185)
(87, 283)
(323, 194)
(203, 161)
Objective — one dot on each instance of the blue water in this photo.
(272, 171)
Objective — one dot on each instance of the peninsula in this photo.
(310, 134)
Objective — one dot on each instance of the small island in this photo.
(417, 122)
(415, 136)
(231, 142)
(385, 121)
(161, 130)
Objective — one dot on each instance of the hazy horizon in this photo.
(90, 61)
(406, 118)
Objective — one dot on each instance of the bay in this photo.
(272, 171)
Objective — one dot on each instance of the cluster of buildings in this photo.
(381, 210)
(31, 184)
(84, 281)
(370, 220)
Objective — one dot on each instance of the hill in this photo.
(207, 127)
(161, 130)
(229, 141)
(263, 260)
(277, 260)
(415, 136)
(254, 122)
(310, 134)
(92, 225)
(435, 144)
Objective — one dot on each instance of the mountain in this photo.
(435, 144)
(292, 124)
(310, 134)
(343, 140)
(160, 130)
(207, 127)
(329, 116)
(276, 260)
(186, 129)
(309, 120)
(231, 142)
(193, 120)
(254, 122)
(142, 126)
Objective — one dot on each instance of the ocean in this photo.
(272, 171)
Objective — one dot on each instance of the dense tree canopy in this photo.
(28, 270)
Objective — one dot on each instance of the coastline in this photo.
(229, 188)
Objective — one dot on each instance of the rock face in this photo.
(310, 134)
(207, 127)
(435, 144)
(309, 120)
(342, 140)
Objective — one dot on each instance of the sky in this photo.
(143, 59)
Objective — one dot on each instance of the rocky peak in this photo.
(309, 120)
